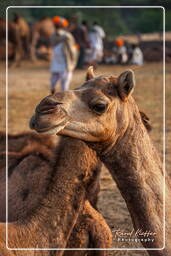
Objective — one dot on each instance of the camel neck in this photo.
(135, 166)
(136, 150)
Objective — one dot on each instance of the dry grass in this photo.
(30, 83)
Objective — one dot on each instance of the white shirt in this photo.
(123, 52)
(58, 62)
(95, 40)
(100, 31)
(137, 56)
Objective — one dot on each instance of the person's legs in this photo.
(54, 79)
(93, 58)
(65, 80)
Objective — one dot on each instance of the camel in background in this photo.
(42, 29)
(22, 40)
(18, 39)
(24, 31)
(49, 196)
(14, 42)
(103, 113)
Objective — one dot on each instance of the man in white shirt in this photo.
(99, 29)
(96, 36)
(64, 56)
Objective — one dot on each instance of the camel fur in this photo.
(48, 194)
(103, 113)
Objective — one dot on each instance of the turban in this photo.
(62, 22)
(119, 42)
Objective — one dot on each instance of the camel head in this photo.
(96, 111)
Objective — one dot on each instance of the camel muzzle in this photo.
(46, 115)
(47, 106)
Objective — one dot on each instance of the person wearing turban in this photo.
(64, 54)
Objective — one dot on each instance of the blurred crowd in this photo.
(124, 52)
(78, 45)
(69, 44)
(89, 40)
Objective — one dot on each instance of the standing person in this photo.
(99, 29)
(64, 54)
(80, 33)
(95, 53)
(100, 35)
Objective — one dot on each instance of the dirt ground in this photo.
(29, 83)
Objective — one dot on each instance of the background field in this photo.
(30, 83)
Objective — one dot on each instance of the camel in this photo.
(49, 196)
(41, 29)
(104, 114)
(14, 41)
(24, 32)
(18, 39)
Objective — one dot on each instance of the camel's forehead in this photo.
(100, 82)
(98, 87)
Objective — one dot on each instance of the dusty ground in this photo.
(30, 83)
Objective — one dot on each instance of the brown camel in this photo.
(18, 39)
(24, 32)
(47, 197)
(14, 41)
(41, 29)
(103, 113)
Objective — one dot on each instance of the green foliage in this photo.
(145, 20)
(168, 20)
(151, 20)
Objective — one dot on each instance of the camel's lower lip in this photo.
(53, 129)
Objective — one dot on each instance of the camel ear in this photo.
(90, 73)
(126, 84)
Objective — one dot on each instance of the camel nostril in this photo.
(47, 107)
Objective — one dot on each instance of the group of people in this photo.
(89, 40)
(76, 45)
(73, 46)
(125, 53)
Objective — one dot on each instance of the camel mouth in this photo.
(43, 127)
(53, 129)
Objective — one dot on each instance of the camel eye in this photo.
(99, 108)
